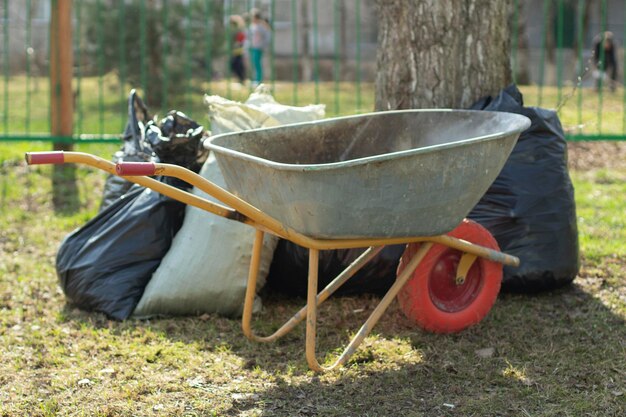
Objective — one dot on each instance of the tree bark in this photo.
(441, 53)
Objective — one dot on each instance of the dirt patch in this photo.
(583, 156)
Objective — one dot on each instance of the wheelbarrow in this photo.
(366, 181)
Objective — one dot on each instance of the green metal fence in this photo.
(321, 51)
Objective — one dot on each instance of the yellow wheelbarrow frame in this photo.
(239, 210)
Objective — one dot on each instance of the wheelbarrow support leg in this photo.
(251, 287)
(311, 323)
(288, 326)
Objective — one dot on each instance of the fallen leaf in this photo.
(244, 396)
(109, 371)
(486, 352)
(196, 382)
(85, 381)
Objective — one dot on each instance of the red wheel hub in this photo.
(444, 292)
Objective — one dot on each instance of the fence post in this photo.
(294, 51)
(5, 64)
(61, 100)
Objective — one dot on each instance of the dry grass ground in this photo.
(555, 354)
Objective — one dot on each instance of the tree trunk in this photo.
(441, 53)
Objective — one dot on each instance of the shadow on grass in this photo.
(65, 195)
(559, 353)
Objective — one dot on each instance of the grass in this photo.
(554, 354)
(104, 110)
(601, 213)
(561, 353)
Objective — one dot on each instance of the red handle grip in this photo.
(135, 168)
(37, 158)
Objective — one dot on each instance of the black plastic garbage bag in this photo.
(289, 269)
(530, 210)
(105, 265)
(134, 149)
(175, 139)
(530, 207)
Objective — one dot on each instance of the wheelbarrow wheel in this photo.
(434, 300)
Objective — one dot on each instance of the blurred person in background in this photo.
(605, 60)
(260, 35)
(238, 39)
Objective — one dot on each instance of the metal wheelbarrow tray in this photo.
(407, 176)
(398, 173)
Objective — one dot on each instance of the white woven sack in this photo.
(259, 110)
(263, 101)
(206, 268)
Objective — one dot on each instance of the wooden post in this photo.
(61, 100)
(61, 64)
